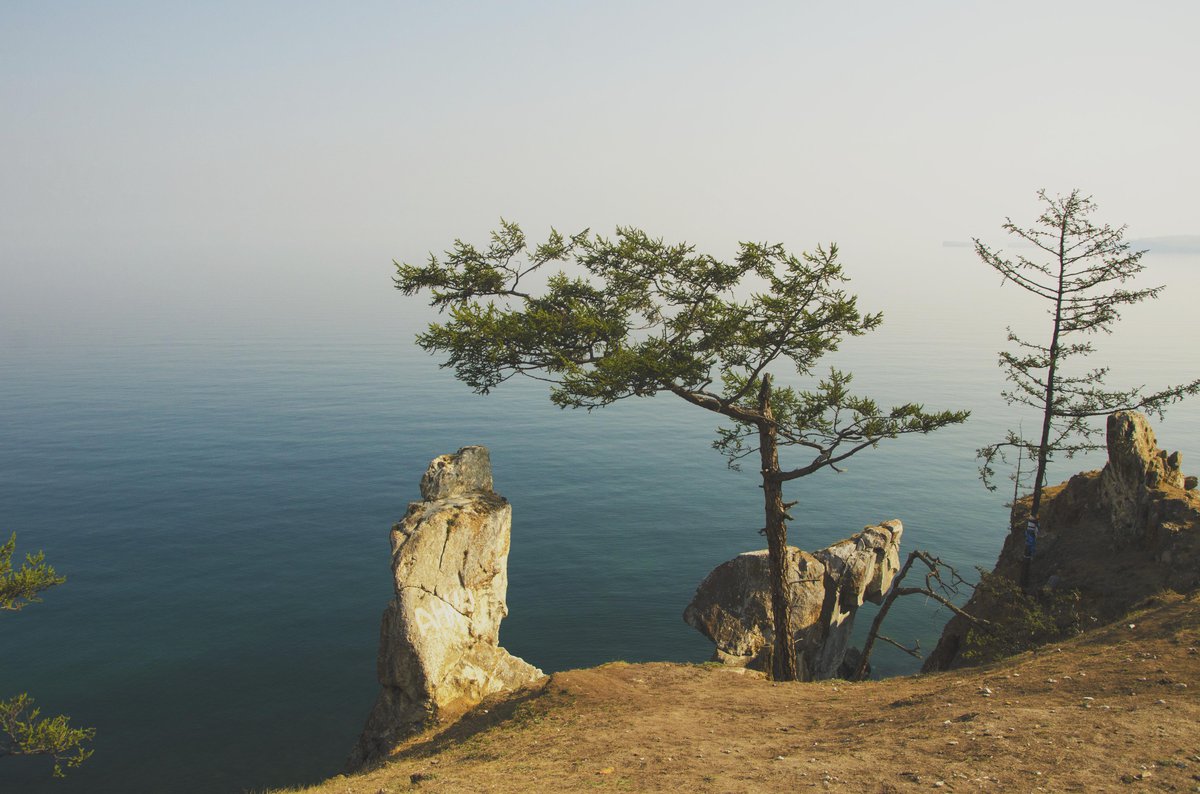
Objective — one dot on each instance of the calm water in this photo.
(221, 509)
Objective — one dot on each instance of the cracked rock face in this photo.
(732, 605)
(1135, 468)
(439, 652)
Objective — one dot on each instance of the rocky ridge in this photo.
(1113, 709)
(1116, 536)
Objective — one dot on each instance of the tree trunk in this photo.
(783, 657)
(1048, 413)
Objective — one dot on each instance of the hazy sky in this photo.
(183, 167)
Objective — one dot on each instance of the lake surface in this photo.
(221, 506)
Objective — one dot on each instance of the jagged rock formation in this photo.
(439, 652)
(1136, 471)
(1116, 536)
(732, 605)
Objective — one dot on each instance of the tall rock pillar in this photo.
(439, 652)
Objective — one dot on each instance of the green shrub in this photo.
(1018, 620)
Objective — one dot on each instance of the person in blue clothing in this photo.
(1031, 533)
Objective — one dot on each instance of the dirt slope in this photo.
(1116, 709)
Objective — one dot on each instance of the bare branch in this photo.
(914, 651)
(937, 586)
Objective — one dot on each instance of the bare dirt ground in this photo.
(1116, 709)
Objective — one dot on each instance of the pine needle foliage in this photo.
(637, 316)
(20, 588)
(23, 729)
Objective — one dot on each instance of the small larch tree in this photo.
(23, 729)
(638, 317)
(1079, 272)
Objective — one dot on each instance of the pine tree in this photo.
(1079, 271)
(642, 317)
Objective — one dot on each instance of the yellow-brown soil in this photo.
(1112, 710)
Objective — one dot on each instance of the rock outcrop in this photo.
(1115, 536)
(439, 652)
(732, 605)
(1136, 471)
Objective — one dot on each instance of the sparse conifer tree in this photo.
(640, 317)
(1079, 272)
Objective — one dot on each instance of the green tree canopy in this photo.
(23, 729)
(636, 317)
(21, 587)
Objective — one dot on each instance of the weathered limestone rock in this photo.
(1136, 468)
(732, 605)
(439, 652)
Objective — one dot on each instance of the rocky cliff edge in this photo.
(1115, 536)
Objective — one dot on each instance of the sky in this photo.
(182, 169)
